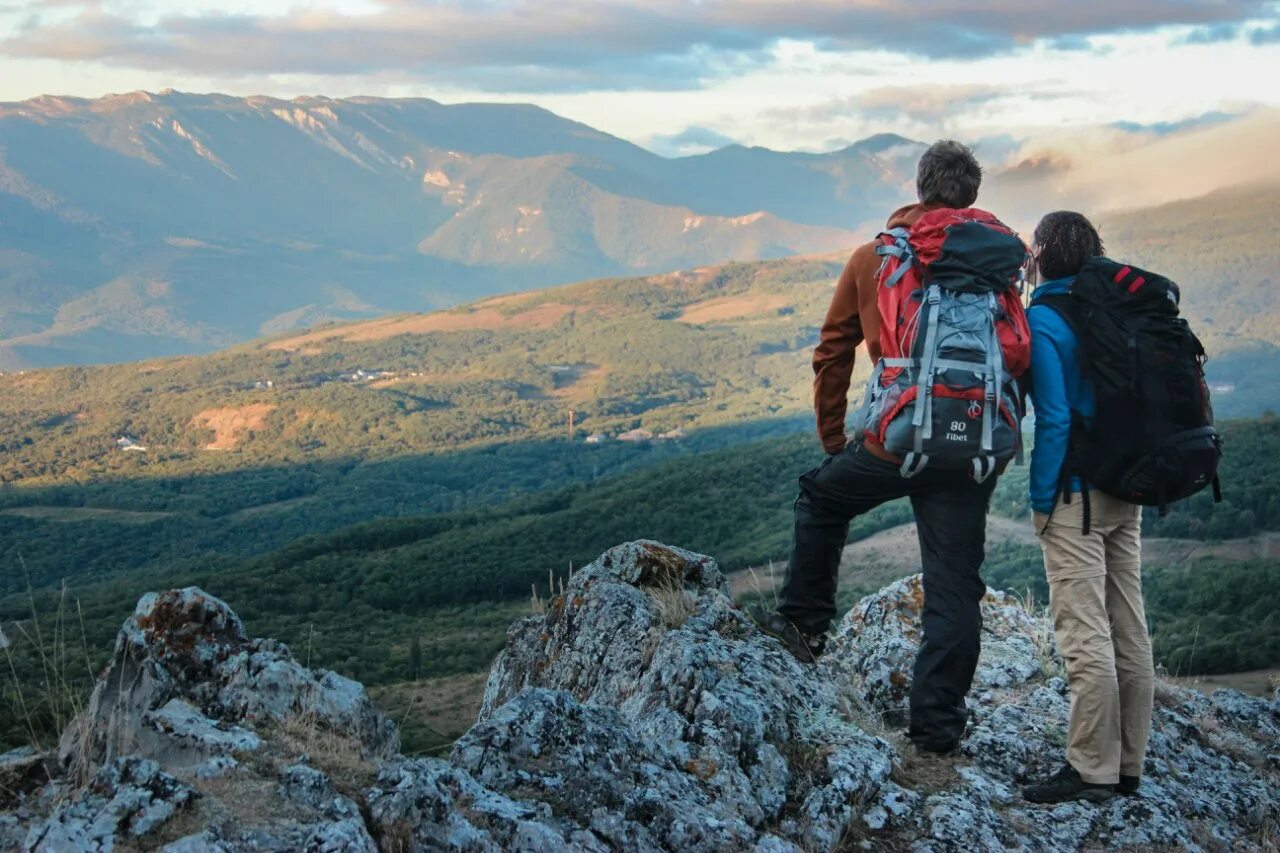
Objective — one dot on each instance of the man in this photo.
(950, 506)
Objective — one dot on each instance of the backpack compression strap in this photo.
(922, 422)
(901, 249)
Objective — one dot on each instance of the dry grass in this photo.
(1258, 682)
(555, 589)
(919, 770)
(338, 755)
(1042, 636)
(432, 712)
(766, 595)
(45, 660)
(675, 604)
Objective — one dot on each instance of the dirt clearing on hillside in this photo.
(542, 316)
(733, 308)
(66, 514)
(884, 557)
(433, 712)
(231, 424)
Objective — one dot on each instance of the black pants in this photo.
(951, 511)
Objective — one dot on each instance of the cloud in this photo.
(925, 103)
(691, 140)
(1072, 41)
(1164, 128)
(1265, 35)
(1108, 168)
(1255, 34)
(556, 45)
(1211, 34)
(920, 109)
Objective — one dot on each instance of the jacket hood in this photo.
(906, 216)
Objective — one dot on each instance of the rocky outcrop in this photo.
(184, 677)
(130, 799)
(641, 711)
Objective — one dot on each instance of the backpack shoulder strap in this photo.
(1064, 306)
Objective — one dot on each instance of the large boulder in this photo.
(875, 645)
(183, 678)
(758, 746)
(192, 718)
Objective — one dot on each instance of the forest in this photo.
(359, 599)
(387, 495)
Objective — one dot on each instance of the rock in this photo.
(182, 723)
(216, 767)
(129, 798)
(201, 842)
(721, 700)
(426, 804)
(22, 771)
(183, 675)
(642, 711)
(875, 645)
(347, 835)
(588, 760)
(312, 789)
(895, 809)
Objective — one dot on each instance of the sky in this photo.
(684, 76)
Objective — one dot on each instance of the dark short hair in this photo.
(948, 175)
(1067, 241)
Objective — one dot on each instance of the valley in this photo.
(193, 222)
(367, 489)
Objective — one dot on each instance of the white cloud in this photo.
(801, 75)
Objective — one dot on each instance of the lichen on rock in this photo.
(642, 710)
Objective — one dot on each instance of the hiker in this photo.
(1136, 415)
(936, 299)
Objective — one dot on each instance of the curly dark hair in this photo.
(1067, 241)
(948, 174)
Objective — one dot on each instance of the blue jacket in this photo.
(1058, 387)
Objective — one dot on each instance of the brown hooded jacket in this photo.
(852, 319)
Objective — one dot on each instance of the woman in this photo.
(1095, 580)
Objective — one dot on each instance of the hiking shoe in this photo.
(1128, 786)
(806, 648)
(1065, 785)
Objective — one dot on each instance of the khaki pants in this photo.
(1095, 593)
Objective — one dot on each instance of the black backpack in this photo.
(1152, 440)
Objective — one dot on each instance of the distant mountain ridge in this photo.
(718, 346)
(163, 223)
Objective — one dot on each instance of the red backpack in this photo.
(955, 340)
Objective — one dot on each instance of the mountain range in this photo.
(149, 224)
